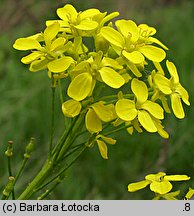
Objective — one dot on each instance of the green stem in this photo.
(63, 138)
(37, 181)
(71, 137)
(47, 192)
(53, 87)
(66, 120)
(10, 174)
(116, 130)
(61, 173)
(21, 169)
(61, 148)
(60, 91)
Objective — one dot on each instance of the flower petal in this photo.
(134, 69)
(125, 109)
(111, 77)
(129, 29)
(31, 57)
(110, 63)
(155, 40)
(162, 83)
(80, 86)
(140, 90)
(105, 112)
(160, 129)
(109, 17)
(38, 65)
(113, 36)
(102, 148)
(176, 177)
(60, 65)
(58, 43)
(177, 105)
(67, 12)
(155, 177)
(89, 13)
(189, 194)
(146, 121)
(146, 30)
(153, 53)
(136, 57)
(71, 108)
(173, 71)
(26, 44)
(93, 123)
(154, 109)
(108, 140)
(51, 32)
(138, 185)
(87, 25)
(183, 93)
(161, 187)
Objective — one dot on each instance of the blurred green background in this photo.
(25, 102)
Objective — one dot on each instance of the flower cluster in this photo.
(118, 60)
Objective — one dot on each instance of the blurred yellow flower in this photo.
(159, 183)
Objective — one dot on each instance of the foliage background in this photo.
(25, 103)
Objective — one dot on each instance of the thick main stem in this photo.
(37, 181)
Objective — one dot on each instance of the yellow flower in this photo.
(145, 110)
(173, 88)
(101, 141)
(97, 114)
(71, 108)
(159, 183)
(83, 23)
(133, 44)
(87, 72)
(50, 55)
(74, 23)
